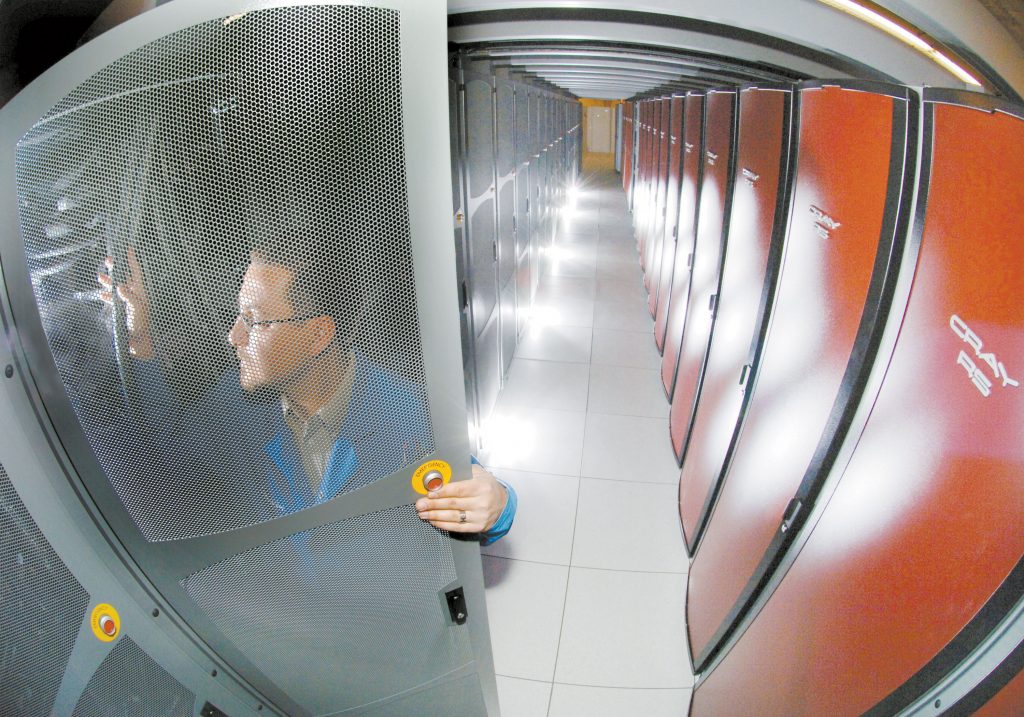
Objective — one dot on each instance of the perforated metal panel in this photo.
(334, 607)
(130, 684)
(251, 193)
(41, 607)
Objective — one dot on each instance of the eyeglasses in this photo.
(249, 324)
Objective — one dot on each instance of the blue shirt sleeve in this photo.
(504, 522)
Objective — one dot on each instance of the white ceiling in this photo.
(803, 38)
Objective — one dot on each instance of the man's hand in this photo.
(482, 499)
(136, 304)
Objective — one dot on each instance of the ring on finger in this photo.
(462, 516)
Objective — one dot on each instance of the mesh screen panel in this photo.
(128, 683)
(327, 613)
(42, 606)
(246, 179)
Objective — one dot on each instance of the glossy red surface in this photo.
(1008, 702)
(845, 142)
(707, 262)
(925, 522)
(656, 228)
(651, 183)
(627, 146)
(661, 270)
(753, 216)
(668, 324)
(641, 200)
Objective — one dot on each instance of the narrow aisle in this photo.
(586, 595)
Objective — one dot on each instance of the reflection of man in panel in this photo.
(346, 421)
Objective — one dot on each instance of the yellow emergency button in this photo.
(106, 623)
(430, 476)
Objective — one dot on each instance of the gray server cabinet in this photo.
(137, 482)
(460, 240)
(524, 167)
(618, 138)
(504, 103)
(477, 121)
(536, 204)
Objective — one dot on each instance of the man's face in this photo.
(270, 355)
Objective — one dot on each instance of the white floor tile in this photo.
(555, 343)
(535, 440)
(546, 384)
(634, 349)
(627, 392)
(581, 224)
(575, 701)
(624, 630)
(569, 311)
(629, 448)
(523, 698)
(628, 292)
(622, 268)
(545, 519)
(566, 287)
(524, 612)
(628, 526)
(568, 261)
(633, 316)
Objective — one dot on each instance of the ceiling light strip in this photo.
(905, 33)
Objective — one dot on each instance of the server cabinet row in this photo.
(839, 359)
(515, 152)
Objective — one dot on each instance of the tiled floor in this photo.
(586, 595)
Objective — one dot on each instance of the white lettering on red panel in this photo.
(824, 225)
(982, 382)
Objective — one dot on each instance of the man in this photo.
(346, 422)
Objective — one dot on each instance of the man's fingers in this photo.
(460, 489)
(133, 263)
(449, 520)
(441, 516)
(446, 504)
(456, 527)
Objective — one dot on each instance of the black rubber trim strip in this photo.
(674, 22)
(959, 648)
(884, 276)
(990, 686)
(974, 100)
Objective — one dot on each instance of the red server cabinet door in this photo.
(627, 148)
(650, 214)
(668, 324)
(646, 140)
(661, 271)
(656, 223)
(715, 197)
(849, 174)
(643, 139)
(755, 234)
(923, 525)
